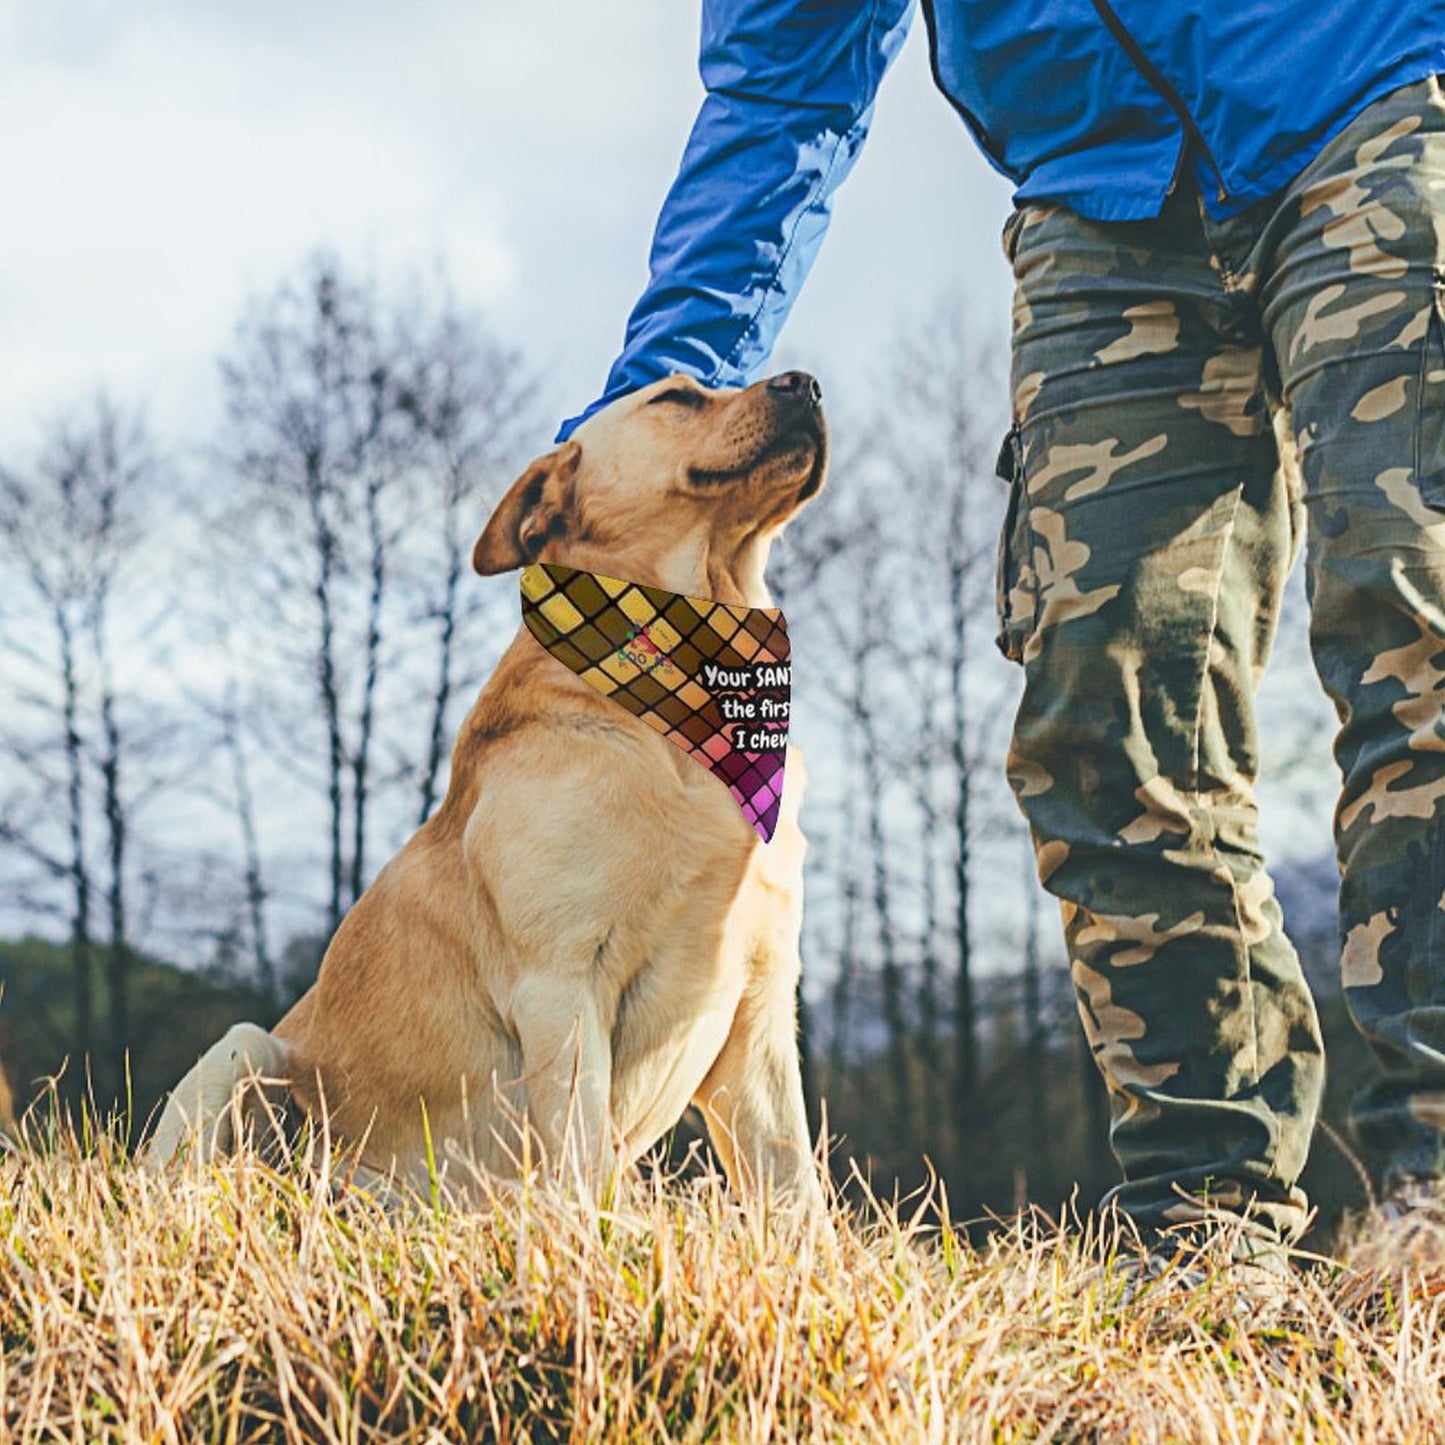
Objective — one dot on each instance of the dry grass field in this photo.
(246, 1303)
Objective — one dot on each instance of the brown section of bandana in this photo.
(714, 679)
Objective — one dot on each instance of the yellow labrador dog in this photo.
(540, 951)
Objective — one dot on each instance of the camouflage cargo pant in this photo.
(1150, 533)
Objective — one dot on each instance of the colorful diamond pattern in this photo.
(645, 648)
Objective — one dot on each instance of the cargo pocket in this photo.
(1430, 410)
(1015, 582)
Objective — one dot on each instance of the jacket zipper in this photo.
(1155, 77)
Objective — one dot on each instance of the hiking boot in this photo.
(1414, 1201)
(1406, 1228)
(1157, 1275)
(1245, 1278)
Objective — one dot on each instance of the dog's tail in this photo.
(238, 1086)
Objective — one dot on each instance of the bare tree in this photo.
(256, 892)
(69, 527)
(904, 608)
(366, 434)
(874, 780)
(308, 391)
(854, 631)
(472, 401)
(930, 841)
(845, 965)
(941, 440)
(118, 461)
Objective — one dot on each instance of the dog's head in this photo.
(675, 486)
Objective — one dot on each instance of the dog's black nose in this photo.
(797, 384)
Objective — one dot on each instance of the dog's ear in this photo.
(533, 513)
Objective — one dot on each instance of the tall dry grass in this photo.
(249, 1303)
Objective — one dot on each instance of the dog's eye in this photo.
(681, 396)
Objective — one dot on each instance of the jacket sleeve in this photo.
(790, 88)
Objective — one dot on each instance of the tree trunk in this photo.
(118, 956)
(361, 761)
(965, 1028)
(928, 972)
(80, 946)
(441, 699)
(255, 883)
(326, 676)
(894, 1009)
(842, 991)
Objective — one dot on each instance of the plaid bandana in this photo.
(713, 679)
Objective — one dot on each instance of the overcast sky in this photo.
(164, 158)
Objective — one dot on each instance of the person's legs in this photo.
(1141, 585)
(1354, 303)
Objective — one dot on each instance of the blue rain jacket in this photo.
(1098, 104)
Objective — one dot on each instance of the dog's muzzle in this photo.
(796, 386)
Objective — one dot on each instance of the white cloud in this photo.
(167, 159)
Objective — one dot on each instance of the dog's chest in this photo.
(670, 1029)
(674, 1015)
(640, 883)
(679, 952)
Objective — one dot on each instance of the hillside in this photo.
(173, 1016)
(244, 1304)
